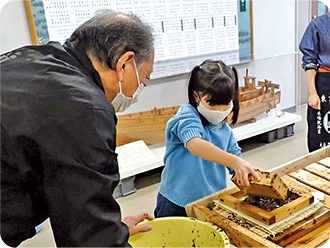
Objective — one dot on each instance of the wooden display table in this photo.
(307, 174)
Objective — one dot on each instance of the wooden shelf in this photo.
(264, 123)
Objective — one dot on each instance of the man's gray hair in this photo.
(109, 34)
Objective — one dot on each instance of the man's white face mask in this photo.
(214, 116)
(122, 102)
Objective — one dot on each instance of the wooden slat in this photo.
(325, 162)
(303, 188)
(238, 235)
(303, 227)
(319, 170)
(314, 238)
(302, 162)
(312, 180)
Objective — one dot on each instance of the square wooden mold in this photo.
(234, 198)
(270, 185)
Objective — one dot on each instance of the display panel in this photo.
(186, 31)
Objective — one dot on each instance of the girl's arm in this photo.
(210, 152)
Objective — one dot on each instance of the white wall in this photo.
(304, 17)
(13, 25)
(274, 52)
(274, 46)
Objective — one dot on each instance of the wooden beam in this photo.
(302, 161)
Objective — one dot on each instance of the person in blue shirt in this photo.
(200, 144)
(315, 46)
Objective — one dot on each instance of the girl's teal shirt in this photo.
(187, 177)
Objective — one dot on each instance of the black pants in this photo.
(319, 120)
(166, 208)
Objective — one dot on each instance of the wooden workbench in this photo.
(309, 173)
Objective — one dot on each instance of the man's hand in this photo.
(132, 221)
(314, 101)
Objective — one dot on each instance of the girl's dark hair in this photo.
(217, 81)
(109, 34)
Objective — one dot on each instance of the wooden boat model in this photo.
(256, 100)
(149, 126)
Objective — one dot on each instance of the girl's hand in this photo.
(132, 221)
(243, 170)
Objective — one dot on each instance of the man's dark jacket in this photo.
(58, 140)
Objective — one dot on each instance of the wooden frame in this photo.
(233, 199)
(32, 27)
(315, 8)
(251, 24)
(269, 185)
(311, 232)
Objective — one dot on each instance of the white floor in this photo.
(260, 154)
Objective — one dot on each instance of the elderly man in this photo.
(58, 131)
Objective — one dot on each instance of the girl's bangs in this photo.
(220, 92)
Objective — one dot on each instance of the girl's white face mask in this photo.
(214, 116)
(122, 102)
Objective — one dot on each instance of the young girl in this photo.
(199, 143)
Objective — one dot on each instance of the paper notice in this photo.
(133, 153)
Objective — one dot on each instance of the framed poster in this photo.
(186, 31)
